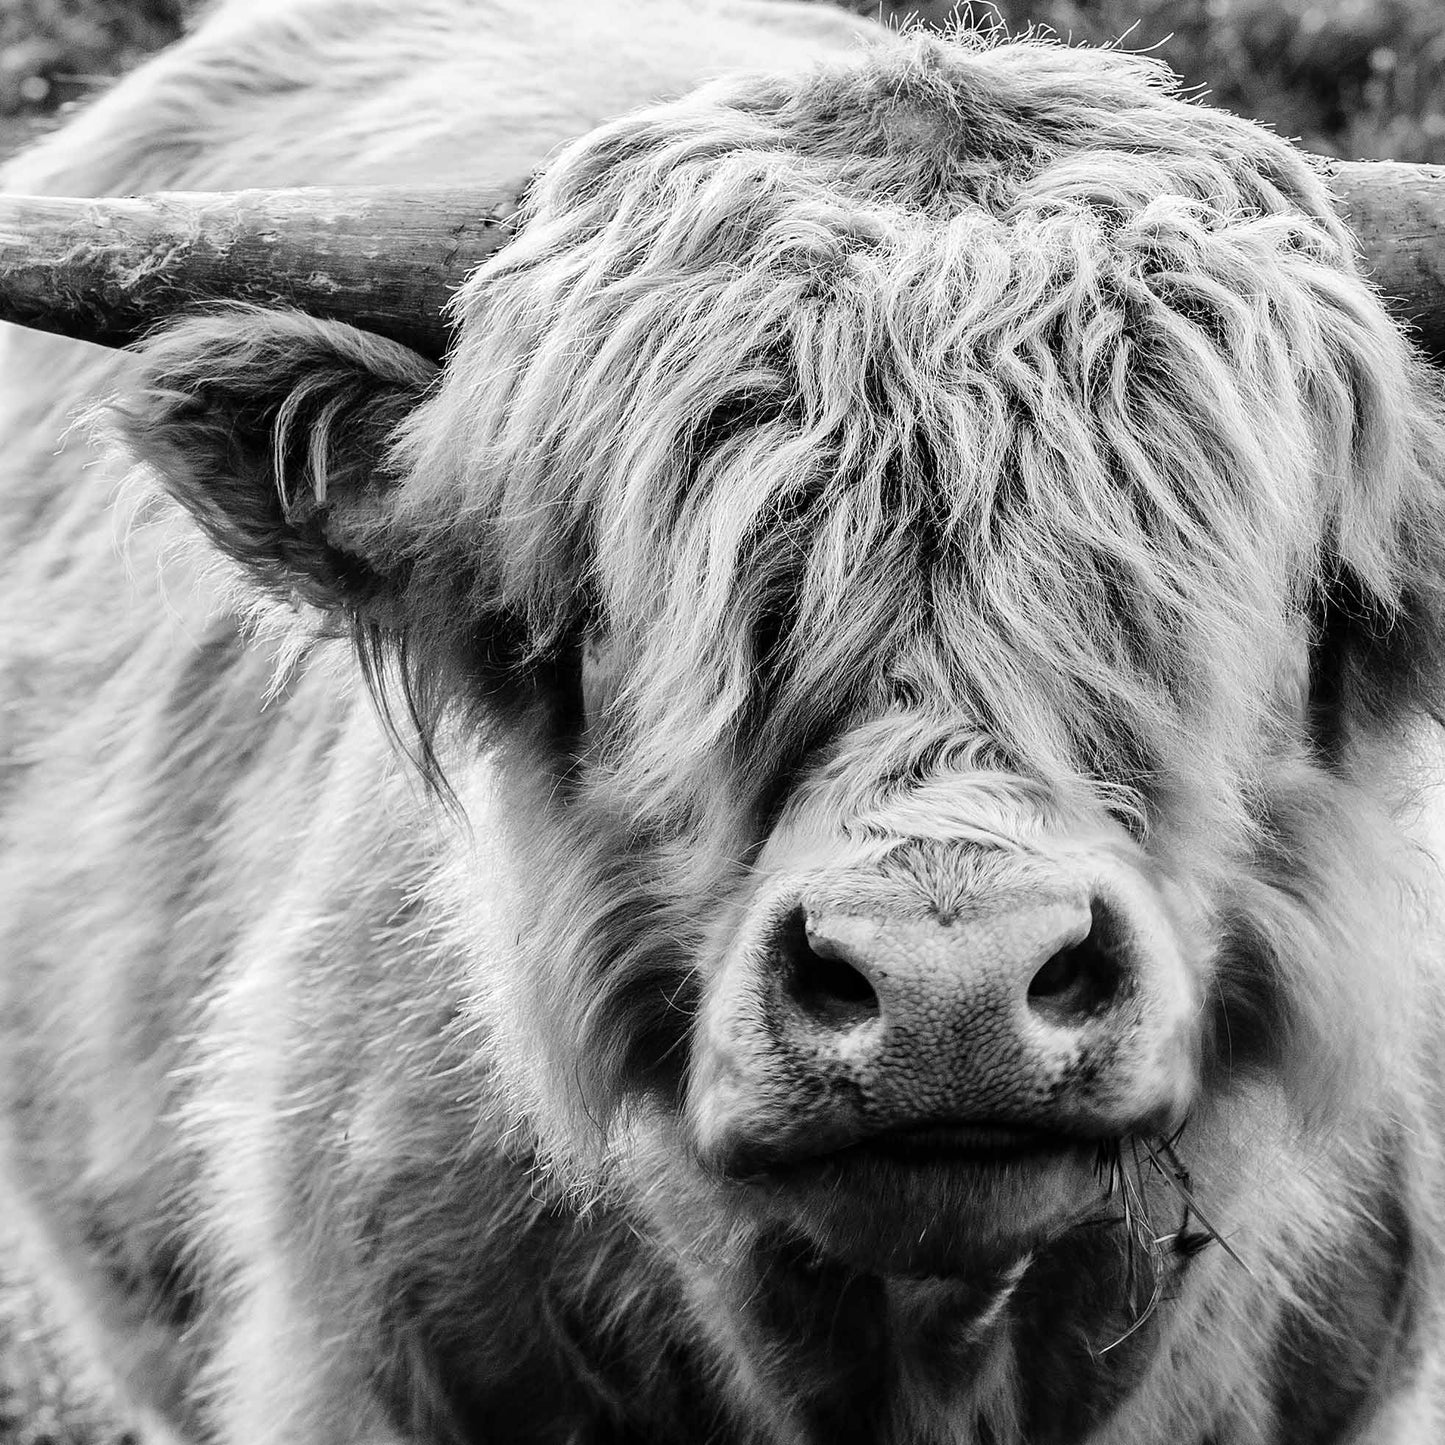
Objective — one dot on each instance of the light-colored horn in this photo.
(109, 270)
(1397, 213)
(387, 260)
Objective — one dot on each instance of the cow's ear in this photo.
(273, 430)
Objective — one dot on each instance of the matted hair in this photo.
(992, 374)
(944, 445)
(989, 385)
(985, 389)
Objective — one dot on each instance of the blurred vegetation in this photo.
(1356, 78)
(1350, 77)
(56, 52)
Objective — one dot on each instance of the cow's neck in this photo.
(844, 1355)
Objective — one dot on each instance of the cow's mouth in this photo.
(942, 1198)
(959, 1144)
(937, 1145)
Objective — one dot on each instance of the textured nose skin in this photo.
(980, 1017)
(921, 973)
(1045, 1002)
(1058, 1007)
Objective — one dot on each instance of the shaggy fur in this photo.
(948, 458)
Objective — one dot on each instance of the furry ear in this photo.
(273, 430)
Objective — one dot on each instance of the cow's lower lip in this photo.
(925, 1146)
(931, 1200)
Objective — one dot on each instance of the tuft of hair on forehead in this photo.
(989, 380)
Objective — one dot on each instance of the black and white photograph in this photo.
(722, 722)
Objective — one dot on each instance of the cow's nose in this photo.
(1044, 1011)
(1054, 962)
(1030, 1014)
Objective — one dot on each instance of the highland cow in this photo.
(824, 834)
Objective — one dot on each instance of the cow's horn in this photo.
(383, 259)
(386, 260)
(1397, 212)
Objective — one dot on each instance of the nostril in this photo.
(1061, 974)
(822, 983)
(1083, 979)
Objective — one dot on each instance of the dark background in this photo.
(1357, 78)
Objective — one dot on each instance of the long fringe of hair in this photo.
(988, 384)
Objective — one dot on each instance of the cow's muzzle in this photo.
(873, 1037)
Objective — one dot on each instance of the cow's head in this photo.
(936, 549)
